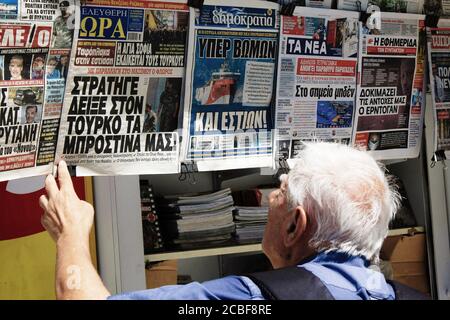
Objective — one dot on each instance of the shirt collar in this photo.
(337, 257)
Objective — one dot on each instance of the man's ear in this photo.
(295, 226)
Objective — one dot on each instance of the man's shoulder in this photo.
(226, 288)
(234, 288)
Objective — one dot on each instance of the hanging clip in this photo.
(288, 9)
(439, 155)
(371, 18)
(281, 169)
(198, 4)
(286, 166)
(283, 165)
(363, 14)
(432, 20)
(187, 173)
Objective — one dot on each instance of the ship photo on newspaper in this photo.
(220, 88)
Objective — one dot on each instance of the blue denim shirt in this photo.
(346, 277)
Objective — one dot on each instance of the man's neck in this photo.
(295, 259)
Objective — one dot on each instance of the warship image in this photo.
(220, 88)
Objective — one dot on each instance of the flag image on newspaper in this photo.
(230, 82)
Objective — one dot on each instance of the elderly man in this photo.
(326, 225)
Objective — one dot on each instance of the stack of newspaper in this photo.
(250, 222)
(200, 219)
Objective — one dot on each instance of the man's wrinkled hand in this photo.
(65, 215)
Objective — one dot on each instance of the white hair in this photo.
(347, 198)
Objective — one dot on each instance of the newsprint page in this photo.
(316, 84)
(123, 93)
(439, 70)
(390, 96)
(35, 43)
(230, 81)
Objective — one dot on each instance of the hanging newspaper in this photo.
(316, 84)
(439, 70)
(35, 41)
(229, 87)
(405, 6)
(390, 95)
(122, 100)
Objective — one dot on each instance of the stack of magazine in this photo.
(198, 220)
(250, 223)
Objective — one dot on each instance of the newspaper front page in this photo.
(123, 96)
(35, 42)
(439, 70)
(316, 84)
(230, 85)
(390, 96)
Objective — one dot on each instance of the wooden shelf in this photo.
(404, 231)
(204, 252)
(243, 248)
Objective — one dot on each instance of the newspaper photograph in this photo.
(439, 71)
(390, 95)
(230, 85)
(316, 84)
(123, 92)
(24, 118)
(404, 6)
